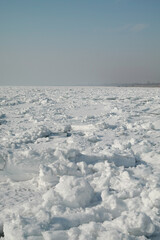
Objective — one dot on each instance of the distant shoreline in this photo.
(147, 85)
(144, 85)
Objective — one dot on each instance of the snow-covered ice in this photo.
(79, 163)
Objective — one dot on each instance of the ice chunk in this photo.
(156, 125)
(2, 162)
(67, 128)
(76, 192)
(114, 205)
(126, 160)
(64, 167)
(83, 168)
(47, 176)
(13, 229)
(57, 235)
(51, 198)
(33, 134)
(70, 154)
(93, 139)
(112, 234)
(140, 224)
(155, 197)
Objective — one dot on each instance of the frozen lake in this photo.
(79, 163)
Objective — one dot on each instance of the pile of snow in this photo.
(75, 192)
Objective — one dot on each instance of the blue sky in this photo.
(85, 42)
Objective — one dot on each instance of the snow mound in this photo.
(154, 195)
(140, 224)
(76, 192)
(35, 133)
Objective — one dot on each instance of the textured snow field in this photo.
(79, 163)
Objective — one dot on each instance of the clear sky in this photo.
(79, 42)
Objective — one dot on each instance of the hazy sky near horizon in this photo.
(79, 42)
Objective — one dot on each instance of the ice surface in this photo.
(79, 163)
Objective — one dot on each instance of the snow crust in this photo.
(79, 163)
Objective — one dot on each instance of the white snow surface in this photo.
(79, 163)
